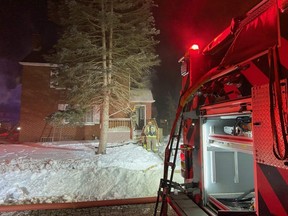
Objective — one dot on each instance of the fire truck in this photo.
(230, 131)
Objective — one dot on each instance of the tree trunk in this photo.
(104, 124)
(106, 92)
(107, 43)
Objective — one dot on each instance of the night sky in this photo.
(181, 23)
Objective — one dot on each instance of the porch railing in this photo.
(119, 124)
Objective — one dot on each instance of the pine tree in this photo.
(107, 48)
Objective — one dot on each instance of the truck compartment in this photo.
(228, 162)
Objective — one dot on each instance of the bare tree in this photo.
(107, 47)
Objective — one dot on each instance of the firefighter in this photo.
(150, 132)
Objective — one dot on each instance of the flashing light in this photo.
(194, 47)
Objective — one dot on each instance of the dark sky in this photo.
(16, 26)
(181, 23)
(18, 20)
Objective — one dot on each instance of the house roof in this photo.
(35, 58)
(141, 95)
(39, 48)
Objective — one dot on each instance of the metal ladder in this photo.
(46, 132)
(165, 183)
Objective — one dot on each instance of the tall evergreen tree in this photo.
(107, 47)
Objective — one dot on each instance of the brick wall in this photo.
(38, 101)
(148, 111)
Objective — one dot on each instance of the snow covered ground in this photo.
(71, 171)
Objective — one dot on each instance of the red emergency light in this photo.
(194, 47)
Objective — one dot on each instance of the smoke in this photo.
(10, 72)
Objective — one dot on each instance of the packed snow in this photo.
(71, 172)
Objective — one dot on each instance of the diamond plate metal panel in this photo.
(262, 131)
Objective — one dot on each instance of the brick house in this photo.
(40, 99)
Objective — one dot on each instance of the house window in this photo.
(53, 78)
(88, 116)
(54, 74)
(92, 116)
(62, 107)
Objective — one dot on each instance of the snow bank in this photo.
(70, 172)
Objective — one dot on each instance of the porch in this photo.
(119, 130)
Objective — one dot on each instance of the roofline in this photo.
(37, 64)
